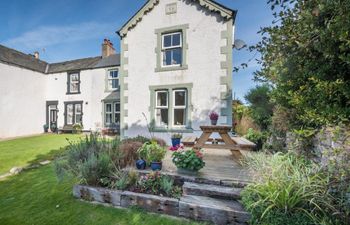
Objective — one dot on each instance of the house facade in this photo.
(175, 66)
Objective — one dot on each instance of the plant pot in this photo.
(141, 164)
(187, 172)
(156, 166)
(214, 122)
(46, 130)
(175, 141)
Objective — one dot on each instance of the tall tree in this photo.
(305, 55)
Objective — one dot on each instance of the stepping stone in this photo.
(214, 191)
(217, 211)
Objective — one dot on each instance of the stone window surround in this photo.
(106, 79)
(170, 88)
(159, 32)
(68, 83)
(65, 111)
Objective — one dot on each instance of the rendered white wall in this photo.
(92, 88)
(203, 58)
(22, 101)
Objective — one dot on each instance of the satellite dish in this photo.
(239, 44)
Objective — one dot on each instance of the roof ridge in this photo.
(73, 60)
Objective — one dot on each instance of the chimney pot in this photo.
(36, 54)
(107, 48)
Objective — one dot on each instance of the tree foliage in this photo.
(305, 56)
(261, 109)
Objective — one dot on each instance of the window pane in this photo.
(74, 87)
(167, 58)
(109, 108)
(74, 77)
(176, 39)
(167, 41)
(162, 98)
(108, 118)
(117, 118)
(117, 107)
(161, 117)
(179, 117)
(177, 56)
(113, 74)
(78, 108)
(115, 83)
(69, 114)
(180, 98)
(78, 118)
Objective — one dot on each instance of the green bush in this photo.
(91, 160)
(288, 190)
(152, 152)
(188, 159)
(259, 138)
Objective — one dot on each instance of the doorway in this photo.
(52, 115)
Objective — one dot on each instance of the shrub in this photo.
(77, 128)
(143, 140)
(259, 138)
(152, 152)
(189, 160)
(289, 190)
(129, 150)
(91, 160)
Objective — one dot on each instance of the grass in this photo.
(23, 151)
(36, 197)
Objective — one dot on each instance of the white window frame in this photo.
(109, 78)
(179, 107)
(161, 107)
(173, 47)
(116, 112)
(72, 82)
(109, 113)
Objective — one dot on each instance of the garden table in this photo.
(223, 131)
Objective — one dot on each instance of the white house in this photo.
(175, 66)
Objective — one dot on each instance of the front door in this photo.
(52, 115)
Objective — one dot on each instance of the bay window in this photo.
(112, 114)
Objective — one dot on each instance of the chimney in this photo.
(36, 54)
(107, 48)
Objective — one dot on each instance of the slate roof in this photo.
(21, 59)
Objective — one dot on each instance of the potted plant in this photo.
(151, 153)
(214, 118)
(77, 128)
(176, 139)
(188, 162)
(53, 127)
(46, 128)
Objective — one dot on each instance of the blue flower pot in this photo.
(141, 164)
(175, 141)
(156, 166)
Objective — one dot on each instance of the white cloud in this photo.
(45, 36)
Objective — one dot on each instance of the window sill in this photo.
(172, 130)
(73, 93)
(171, 68)
(111, 90)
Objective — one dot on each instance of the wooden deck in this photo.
(220, 165)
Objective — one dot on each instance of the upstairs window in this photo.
(112, 80)
(172, 49)
(73, 84)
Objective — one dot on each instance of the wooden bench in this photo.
(189, 141)
(244, 143)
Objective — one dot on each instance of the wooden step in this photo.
(217, 211)
(213, 191)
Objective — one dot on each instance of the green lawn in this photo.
(21, 151)
(36, 197)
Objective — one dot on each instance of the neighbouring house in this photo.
(174, 67)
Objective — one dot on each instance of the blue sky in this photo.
(70, 29)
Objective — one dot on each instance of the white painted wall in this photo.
(203, 59)
(22, 101)
(92, 88)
